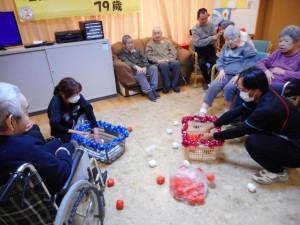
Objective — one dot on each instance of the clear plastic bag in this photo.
(189, 184)
(82, 120)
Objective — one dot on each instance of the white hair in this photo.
(9, 103)
(293, 31)
(231, 31)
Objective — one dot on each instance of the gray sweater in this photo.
(133, 58)
(233, 61)
(203, 35)
(163, 50)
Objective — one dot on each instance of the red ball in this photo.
(199, 199)
(120, 204)
(110, 182)
(191, 199)
(160, 180)
(129, 129)
(210, 177)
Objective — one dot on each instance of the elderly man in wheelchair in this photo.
(43, 182)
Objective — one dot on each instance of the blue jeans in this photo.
(151, 75)
(229, 90)
(174, 68)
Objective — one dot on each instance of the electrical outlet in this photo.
(249, 3)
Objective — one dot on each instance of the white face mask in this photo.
(245, 96)
(74, 99)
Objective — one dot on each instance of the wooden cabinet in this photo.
(37, 70)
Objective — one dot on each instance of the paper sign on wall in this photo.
(50, 9)
(239, 4)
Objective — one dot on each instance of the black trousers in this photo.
(273, 152)
(206, 54)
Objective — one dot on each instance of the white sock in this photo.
(203, 110)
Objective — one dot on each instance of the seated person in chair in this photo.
(52, 159)
(143, 71)
(204, 40)
(235, 56)
(283, 64)
(65, 108)
(163, 54)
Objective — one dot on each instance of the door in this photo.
(273, 16)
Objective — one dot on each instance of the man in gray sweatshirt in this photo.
(204, 39)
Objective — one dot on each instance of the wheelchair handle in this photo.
(77, 157)
(17, 177)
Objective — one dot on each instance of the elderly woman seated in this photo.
(17, 146)
(235, 56)
(284, 64)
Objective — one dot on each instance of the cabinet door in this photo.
(30, 72)
(88, 62)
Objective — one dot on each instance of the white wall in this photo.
(243, 17)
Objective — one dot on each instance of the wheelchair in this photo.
(25, 200)
(291, 91)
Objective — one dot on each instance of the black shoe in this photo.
(176, 89)
(205, 86)
(166, 89)
(151, 96)
(156, 94)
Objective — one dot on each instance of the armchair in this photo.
(263, 46)
(127, 84)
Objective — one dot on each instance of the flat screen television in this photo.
(9, 31)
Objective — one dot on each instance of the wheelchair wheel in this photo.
(82, 204)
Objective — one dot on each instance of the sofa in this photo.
(127, 84)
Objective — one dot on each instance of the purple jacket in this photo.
(291, 65)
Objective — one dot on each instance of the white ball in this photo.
(186, 163)
(175, 145)
(251, 187)
(152, 163)
(175, 123)
(169, 131)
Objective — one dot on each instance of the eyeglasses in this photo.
(233, 39)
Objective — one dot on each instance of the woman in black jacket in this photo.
(271, 122)
(65, 107)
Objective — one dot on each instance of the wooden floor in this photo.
(119, 100)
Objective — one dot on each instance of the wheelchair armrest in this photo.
(285, 87)
(76, 159)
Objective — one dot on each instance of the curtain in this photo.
(175, 17)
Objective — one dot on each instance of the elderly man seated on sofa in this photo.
(163, 54)
(127, 84)
(141, 67)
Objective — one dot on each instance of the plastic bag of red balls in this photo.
(189, 184)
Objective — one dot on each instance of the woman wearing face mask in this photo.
(65, 107)
(271, 122)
